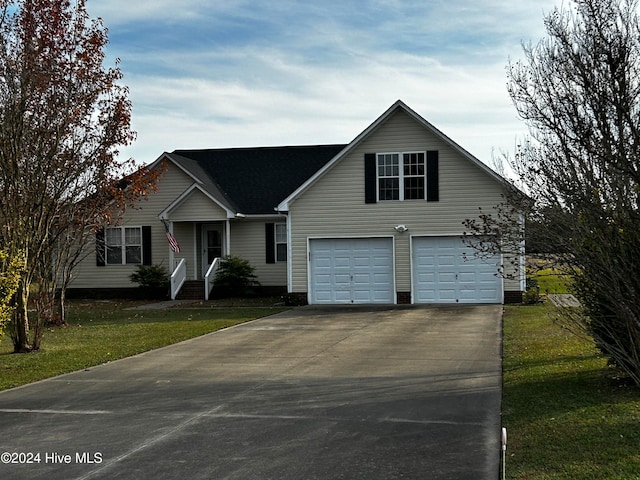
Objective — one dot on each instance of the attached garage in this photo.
(444, 270)
(351, 270)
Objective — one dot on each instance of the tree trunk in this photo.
(62, 310)
(21, 321)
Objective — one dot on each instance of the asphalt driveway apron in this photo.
(312, 393)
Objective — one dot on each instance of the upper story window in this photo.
(401, 176)
(281, 242)
(123, 245)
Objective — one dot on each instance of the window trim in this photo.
(123, 245)
(276, 242)
(401, 176)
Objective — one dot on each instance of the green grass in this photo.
(100, 332)
(567, 415)
(551, 280)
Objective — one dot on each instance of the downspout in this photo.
(227, 236)
(228, 233)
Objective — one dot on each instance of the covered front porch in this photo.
(201, 247)
(205, 231)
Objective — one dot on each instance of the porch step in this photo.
(191, 290)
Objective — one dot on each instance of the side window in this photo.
(414, 174)
(123, 245)
(388, 176)
(281, 242)
(401, 176)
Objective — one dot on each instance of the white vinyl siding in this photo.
(335, 203)
(197, 207)
(248, 242)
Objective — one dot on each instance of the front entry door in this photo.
(211, 245)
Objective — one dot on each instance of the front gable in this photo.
(351, 184)
(195, 204)
(401, 130)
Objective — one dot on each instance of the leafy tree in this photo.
(63, 117)
(578, 90)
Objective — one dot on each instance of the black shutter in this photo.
(100, 253)
(433, 182)
(270, 242)
(146, 245)
(370, 178)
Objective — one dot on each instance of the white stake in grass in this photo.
(504, 453)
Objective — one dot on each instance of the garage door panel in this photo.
(360, 261)
(487, 294)
(342, 262)
(468, 277)
(454, 275)
(445, 278)
(340, 297)
(362, 279)
(360, 270)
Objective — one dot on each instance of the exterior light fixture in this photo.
(400, 228)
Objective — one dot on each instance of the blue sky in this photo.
(231, 73)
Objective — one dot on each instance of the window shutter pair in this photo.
(146, 247)
(371, 184)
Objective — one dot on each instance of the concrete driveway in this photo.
(312, 393)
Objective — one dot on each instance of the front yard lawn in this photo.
(567, 414)
(100, 332)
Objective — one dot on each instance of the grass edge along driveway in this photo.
(100, 332)
(567, 414)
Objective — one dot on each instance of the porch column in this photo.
(227, 232)
(196, 265)
(172, 261)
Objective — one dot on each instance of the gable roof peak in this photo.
(398, 105)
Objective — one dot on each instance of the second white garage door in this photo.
(446, 271)
(351, 270)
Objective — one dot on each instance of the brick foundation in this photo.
(512, 297)
(296, 299)
(404, 298)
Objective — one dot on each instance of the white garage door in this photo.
(351, 270)
(446, 271)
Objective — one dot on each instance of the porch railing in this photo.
(209, 276)
(178, 278)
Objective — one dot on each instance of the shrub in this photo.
(235, 277)
(10, 272)
(532, 294)
(150, 276)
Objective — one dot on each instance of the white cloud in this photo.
(293, 103)
(209, 74)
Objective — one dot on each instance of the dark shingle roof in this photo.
(255, 180)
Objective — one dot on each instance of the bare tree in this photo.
(63, 117)
(578, 90)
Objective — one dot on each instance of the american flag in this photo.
(173, 243)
